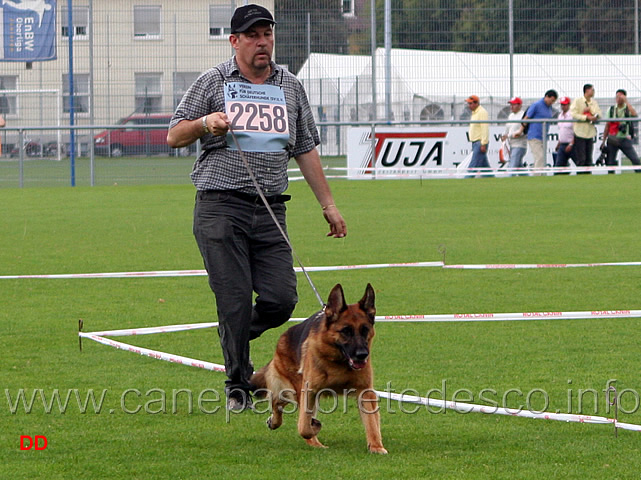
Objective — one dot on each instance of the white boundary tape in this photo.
(540, 265)
(168, 357)
(193, 273)
(455, 317)
(502, 317)
(329, 268)
(470, 407)
(457, 406)
(149, 330)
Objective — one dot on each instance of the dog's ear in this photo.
(367, 303)
(335, 303)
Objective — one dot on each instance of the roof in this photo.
(452, 76)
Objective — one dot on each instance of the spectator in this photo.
(565, 145)
(586, 109)
(513, 134)
(618, 135)
(539, 110)
(479, 135)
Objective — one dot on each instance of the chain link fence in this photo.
(396, 62)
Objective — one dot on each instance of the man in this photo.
(586, 109)
(479, 134)
(242, 248)
(513, 134)
(619, 135)
(539, 110)
(566, 136)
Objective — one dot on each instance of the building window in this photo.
(8, 101)
(219, 18)
(147, 21)
(80, 90)
(148, 93)
(348, 8)
(80, 22)
(182, 81)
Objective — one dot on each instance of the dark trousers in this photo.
(563, 158)
(479, 162)
(479, 159)
(583, 149)
(625, 145)
(244, 252)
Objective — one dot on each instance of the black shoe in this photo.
(239, 400)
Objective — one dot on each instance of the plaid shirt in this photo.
(218, 167)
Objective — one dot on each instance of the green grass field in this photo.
(139, 435)
(107, 171)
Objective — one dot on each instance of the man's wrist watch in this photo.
(205, 128)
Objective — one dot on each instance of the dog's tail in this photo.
(259, 382)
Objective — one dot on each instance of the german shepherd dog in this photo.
(328, 351)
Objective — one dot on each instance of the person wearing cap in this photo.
(565, 145)
(479, 134)
(540, 109)
(587, 110)
(243, 250)
(513, 134)
(618, 135)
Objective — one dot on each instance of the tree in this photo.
(481, 27)
(607, 27)
(545, 26)
(327, 30)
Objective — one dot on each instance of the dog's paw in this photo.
(380, 450)
(309, 430)
(316, 426)
(272, 424)
(313, 442)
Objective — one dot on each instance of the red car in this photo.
(129, 140)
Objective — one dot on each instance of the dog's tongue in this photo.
(357, 365)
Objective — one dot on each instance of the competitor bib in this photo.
(258, 116)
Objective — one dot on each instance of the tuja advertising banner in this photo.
(27, 30)
(405, 152)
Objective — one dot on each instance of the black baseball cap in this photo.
(245, 16)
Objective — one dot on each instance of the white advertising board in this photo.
(423, 152)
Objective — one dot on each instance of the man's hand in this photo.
(218, 123)
(186, 132)
(483, 148)
(337, 227)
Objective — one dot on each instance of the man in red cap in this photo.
(479, 134)
(513, 134)
(565, 147)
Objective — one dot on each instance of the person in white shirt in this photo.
(565, 147)
(514, 136)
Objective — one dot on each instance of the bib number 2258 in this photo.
(261, 117)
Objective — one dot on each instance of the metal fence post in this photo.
(21, 152)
